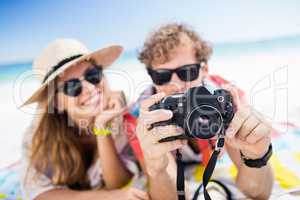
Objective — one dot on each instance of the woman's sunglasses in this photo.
(185, 73)
(73, 87)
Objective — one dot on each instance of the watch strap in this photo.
(260, 162)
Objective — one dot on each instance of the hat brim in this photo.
(103, 57)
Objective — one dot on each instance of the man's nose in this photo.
(176, 83)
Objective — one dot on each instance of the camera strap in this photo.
(180, 176)
(206, 176)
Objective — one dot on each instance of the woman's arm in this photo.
(115, 173)
(67, 194)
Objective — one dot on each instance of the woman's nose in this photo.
(87, 87)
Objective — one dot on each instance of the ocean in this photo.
(267, 70)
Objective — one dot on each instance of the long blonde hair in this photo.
(55, 148)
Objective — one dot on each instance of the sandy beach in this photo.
(268, 77)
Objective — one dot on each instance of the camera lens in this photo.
(204, 122)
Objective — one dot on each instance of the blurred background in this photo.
(256, 46)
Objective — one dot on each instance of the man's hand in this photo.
(248, 130)
(155, 153)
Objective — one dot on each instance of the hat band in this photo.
(60, 64)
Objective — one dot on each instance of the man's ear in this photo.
(205, 69)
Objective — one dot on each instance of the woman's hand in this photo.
(116, 106)
(114, 172)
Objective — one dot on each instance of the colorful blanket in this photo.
(10, 182)
(285, 162)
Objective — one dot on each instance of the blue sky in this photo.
(27, 26)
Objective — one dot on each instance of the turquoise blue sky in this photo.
(27, 26)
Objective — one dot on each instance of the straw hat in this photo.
(61, 54)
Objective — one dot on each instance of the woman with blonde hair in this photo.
(75, 147)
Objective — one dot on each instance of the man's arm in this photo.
(249, 134)
(158, 163)
(260, 185)
(165, 178)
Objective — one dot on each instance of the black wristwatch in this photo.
(260, 162)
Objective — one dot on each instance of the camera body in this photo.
(200, 113)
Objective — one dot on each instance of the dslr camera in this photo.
(199, 112)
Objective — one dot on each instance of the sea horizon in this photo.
(286, 41)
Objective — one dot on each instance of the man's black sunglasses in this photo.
(73, 87)
(185, 73)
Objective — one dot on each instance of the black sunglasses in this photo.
(185, 73)
(73, 87)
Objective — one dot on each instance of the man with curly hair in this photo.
(176, 58)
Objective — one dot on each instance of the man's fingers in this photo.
(251, 149)
(165, 131)
(249, 125)
(169, 146)
(151, 100)
(160, 149)
(235, 143)
(258, 149)
(239, 118)
(261, 131)
(234, 93)
(156, 116)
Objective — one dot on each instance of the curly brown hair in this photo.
(161, 43)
